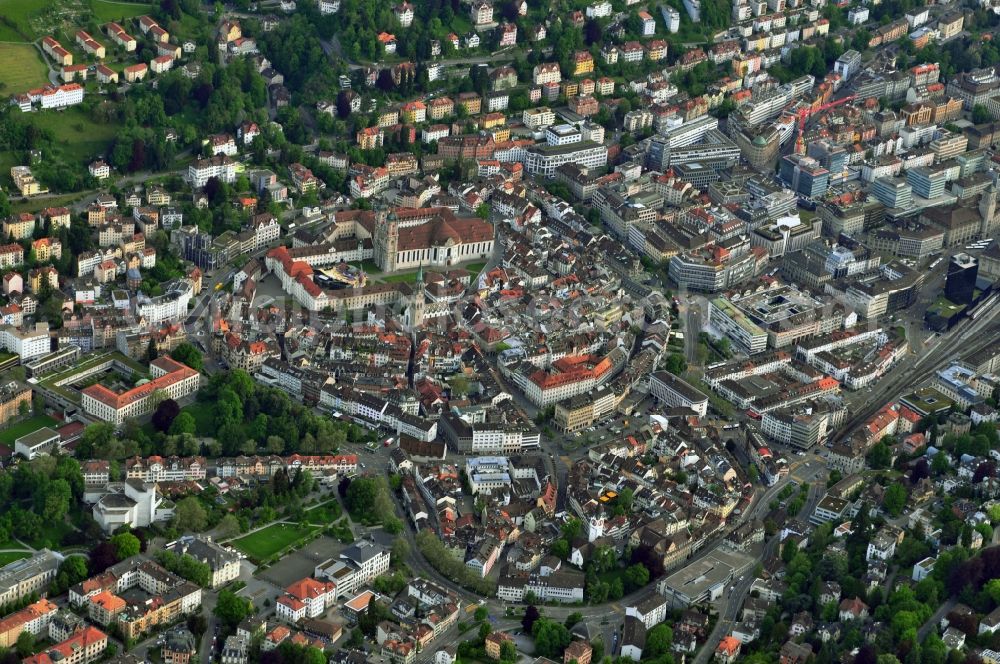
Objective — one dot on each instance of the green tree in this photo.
(659, 641)
(57, 499)
(980, 114)
(186, 353)
(361, 495)
(184, 423)
(551, 638)
(895, 499)
(789, 550)
(636, 577)
(880, 456)
(75, 568)
(228, 526)
(392, 524)
(190, 515)
(126, 545)
(940, 464)
(508, 652)
(676, 364)
(232, 609)
(459, 385)
(400, 551)
(25, 646)
(572, 529)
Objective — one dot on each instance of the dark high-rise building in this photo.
(960, 284)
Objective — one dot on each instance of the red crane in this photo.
(807, 112)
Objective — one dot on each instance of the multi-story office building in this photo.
(786, 235)
(894, 193)
(785, 313)
(960, 284)
(715, 149)
(949, 145)
(688, 133)
(714, 267)
(563, 134)
(672, 391)
(927, 181)
(848, 64)
(746, 334)
(768, 105)
(356, 566)
(175, 379)
(831, 157)
(850, 218)
(545, 159)
(759, 144)
(801, 425)
(85, 646)
(804, 175)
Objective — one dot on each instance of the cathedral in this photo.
(409, 238)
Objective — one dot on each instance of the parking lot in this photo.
(299, 564)
(610, 428)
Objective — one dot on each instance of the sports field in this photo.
(271, 540)
(14, 431)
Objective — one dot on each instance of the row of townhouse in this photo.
(266, 466)
(375, 411)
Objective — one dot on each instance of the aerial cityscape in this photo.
(500, 331)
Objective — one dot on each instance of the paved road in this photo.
(693, 325)
(932, 622)
(727, 619)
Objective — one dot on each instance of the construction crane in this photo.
(807, 112)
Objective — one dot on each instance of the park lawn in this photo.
(21, 68)
(52, 535)
(7, 557)
(15, 431)
(204, 418)
(408, 277)
(271, 540)
(325, 513)
(104, 10)
(79, 137)
(474, 268)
